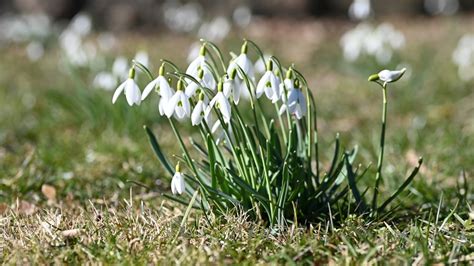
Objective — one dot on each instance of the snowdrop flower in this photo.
(286, 86)
(160, 83)
(120, 66)
(200, 63)
(296, 104)
(142, 58)
(105, 80)
(177, 183)
(199, 111)
(166, 92)
(178, 104)
(243, 62)
(193, 89)
(132, 92)
(270, 84)
(360, 9)
(233, 86)
(221, 103)
(388, 76)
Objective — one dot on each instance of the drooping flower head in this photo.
(193, 88)
(177, 182)
(221, 103)
(178, 103)
(132, 92)
(243, 62)
(199, 111)
(296, 104)
(269, 84)
(388, 76)
(160, 84)
(233, 86)
(201, 64)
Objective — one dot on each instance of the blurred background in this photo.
(60, 61)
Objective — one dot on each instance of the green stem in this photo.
(378, 177)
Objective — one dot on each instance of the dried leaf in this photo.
(49, 192)
(26, 208)
(71, 233)
(3, 208)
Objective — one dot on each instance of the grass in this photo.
(56, 130)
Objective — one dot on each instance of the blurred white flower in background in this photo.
(463, 57)
(441, 7)
(35, 50)
(182, 18)
(22, 28)
(105, 80)
(379, 42)
(242, 16)
(215, 30)
(360, 9)
(143, 58)
(120, 66)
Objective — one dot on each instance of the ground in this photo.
(80, 183)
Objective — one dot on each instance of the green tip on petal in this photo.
(201, 96)
(202, 51)
(289, 73)
(161, 72)
(233, 74)
(200, 73)
(269, 65)
(131, 73)
(180, 85)
(244, 49)
(296, 83)
(374, 77)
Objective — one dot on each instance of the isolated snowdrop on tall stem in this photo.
(177, 182)
(132, 92)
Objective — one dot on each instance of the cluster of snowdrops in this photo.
(267, 164)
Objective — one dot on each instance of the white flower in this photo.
(388, 76)
(142, 58)
(270, 84)
(243, 62)
(233, 86)
(160, 83)
(200, 64)
(296, 104)
(132, 92)
(193, 89)
(221, 103)
(177, 183)
(199, 112)
(178, 104)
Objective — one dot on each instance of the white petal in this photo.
(186, 105)
(302, 102)
(171, 105)
(237, 91)
(282, 109)
(216, 126)
(261, 86)
(191, 89)
(149, 88)
(130, 91)
(224, 106)
(196, 116)
(195, 64)
(118, 91)
(180, 186)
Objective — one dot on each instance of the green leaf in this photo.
(157, 150)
